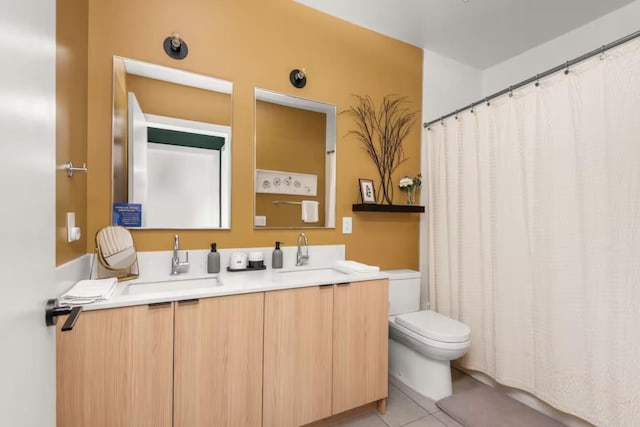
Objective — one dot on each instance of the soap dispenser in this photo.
(276, 257)
(213, 260)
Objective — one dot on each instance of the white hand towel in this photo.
(88, 291)
(310, 211)
(354, 267)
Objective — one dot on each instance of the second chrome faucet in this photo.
(302, 258)
(177, 266)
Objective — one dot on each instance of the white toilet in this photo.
(421, 343)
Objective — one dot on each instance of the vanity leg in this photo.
(382, 406)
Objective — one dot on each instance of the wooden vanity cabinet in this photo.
(279, 358)
(115, 368)
(360, 344)
(218, 361)
(297, 356)
(325, 351)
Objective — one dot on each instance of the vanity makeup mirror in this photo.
(295, 162)
(171, 148)
(116, 253)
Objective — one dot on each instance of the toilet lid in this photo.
(435, 326)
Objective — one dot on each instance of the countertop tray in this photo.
(264, 267)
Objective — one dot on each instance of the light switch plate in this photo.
(260, 221)
(346, 225)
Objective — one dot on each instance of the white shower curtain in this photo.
(534, 236)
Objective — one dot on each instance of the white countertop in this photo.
(192, 286)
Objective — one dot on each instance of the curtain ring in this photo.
(442, 120)
(510, 92)
(456, 115)
(566, 71)
(602, 54)
(487, 101)
(471, 110)
(537, 80)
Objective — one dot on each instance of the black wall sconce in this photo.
(298, 78)
(175, 46)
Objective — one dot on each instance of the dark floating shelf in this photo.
(369, 207)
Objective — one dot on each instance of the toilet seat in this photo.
(399, 332)
(434, 326)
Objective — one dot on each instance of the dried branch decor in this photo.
(381, 134)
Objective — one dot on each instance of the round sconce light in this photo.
(298, 78)
(175, 46)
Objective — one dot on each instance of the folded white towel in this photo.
(347, 266)
(88, 291)
(310, 211)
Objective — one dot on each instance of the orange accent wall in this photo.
(257, 44)
(71, 123)
(290, 140)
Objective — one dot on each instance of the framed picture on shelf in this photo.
(367, 191)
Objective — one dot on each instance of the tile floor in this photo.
(407, 408)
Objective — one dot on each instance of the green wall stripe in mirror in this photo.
(184, 139)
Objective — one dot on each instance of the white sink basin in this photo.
(305, 269)
(310, 274)
(188, 285)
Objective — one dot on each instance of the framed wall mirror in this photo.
(171, 148)
(295, 162)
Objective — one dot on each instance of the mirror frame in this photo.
(330, 159)
(184, 78)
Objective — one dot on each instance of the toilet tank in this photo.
(404, 291)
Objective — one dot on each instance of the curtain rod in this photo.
(537, 77)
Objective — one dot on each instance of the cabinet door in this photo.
(360, 344)
(115, 368)
(297, 356)
(218, 361)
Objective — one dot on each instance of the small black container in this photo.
(255, 264)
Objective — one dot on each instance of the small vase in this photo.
(411, 197)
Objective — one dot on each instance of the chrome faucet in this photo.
(178, 266)
(302, 259)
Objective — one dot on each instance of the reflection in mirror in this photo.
(116, 253)
(171, 148)
(295, 148)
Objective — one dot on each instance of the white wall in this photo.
(603, 30)
(447, 85)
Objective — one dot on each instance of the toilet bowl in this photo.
(421, 343)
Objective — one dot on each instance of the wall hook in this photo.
(71, 169)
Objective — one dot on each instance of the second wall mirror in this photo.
(171, 148)
(295, 162)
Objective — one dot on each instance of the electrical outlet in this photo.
(346, 225)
